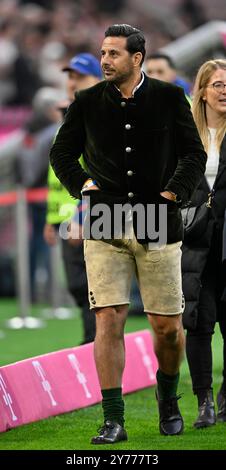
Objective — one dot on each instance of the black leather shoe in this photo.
(110, 433)
(170, 420)
(206, 416)
(221, 403)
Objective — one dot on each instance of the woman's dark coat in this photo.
(194, 256)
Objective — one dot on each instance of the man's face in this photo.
(160, 69)
(77, 81)
(116, 62)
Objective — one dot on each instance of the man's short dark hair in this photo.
(135, 38)
(158, 55)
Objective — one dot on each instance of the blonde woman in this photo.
(204, 275)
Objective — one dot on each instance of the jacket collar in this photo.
(136, 87)
(138, 90)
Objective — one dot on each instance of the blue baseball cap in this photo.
(85, 64)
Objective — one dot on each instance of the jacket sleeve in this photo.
(190, 152)
(66, 150)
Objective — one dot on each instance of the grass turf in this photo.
(72, 431)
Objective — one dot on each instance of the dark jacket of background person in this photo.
(195, 256)
(32, 163)
(162, 147)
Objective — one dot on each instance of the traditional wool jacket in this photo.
(134, 148)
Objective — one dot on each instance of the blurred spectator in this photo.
(162, 67)
(110, 6)
(32, 168)
(32, 159)
(193, 13)
(25, 70)
(83, 71)
(48, 4)
(8, 56)
(44, 34)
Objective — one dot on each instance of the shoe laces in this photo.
(171, 406)
(207, 404)
(207, 401)
(105, 426)
(202, 409)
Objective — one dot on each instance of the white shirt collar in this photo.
(139, 84)
(136, 87)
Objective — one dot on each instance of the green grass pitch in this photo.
(72, 431)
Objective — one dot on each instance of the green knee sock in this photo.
(167, 385)
(113, 405)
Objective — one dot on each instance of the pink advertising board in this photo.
(66, 380)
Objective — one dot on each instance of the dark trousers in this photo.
(77, 285)
(38, 249)
(211, 309)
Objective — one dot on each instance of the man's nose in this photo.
(105, 59)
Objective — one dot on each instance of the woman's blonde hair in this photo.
(198, 105)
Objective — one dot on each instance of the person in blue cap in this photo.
(83, 71)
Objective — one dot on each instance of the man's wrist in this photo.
(174, 196)
(169, 195)
(88, 184)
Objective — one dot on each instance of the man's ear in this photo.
(137, 58)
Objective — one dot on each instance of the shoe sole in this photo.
(108, 442)
(163, 433)
(200, 426)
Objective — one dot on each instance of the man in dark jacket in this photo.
(140, 146)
